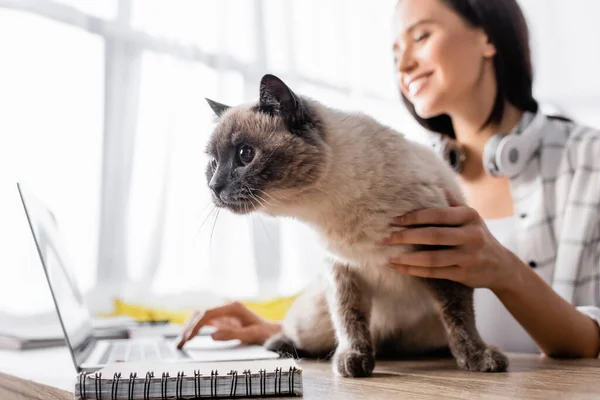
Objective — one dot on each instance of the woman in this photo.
(530, 238)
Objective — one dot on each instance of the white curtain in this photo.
(103, 116)
(51, 121)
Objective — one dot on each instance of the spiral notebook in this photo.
(191, 380)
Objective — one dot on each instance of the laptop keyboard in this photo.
(131, 350)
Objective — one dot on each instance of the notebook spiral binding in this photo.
(248, 382)
(82, 384)
(233, 390)
(197, 383)
(132, 377)
(263, 382)
(213, 383)
(163, 385)
(278, 375)
(179, 386)
(98, 377)
(179, 381)
(291, 381)
(149, 377)
(115, 386)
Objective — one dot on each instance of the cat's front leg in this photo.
(350, 307)
(456, 305)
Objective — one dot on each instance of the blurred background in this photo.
(102, 116)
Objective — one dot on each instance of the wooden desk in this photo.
(14, 388)
(529, 377)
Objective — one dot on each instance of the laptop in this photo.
(88, 351)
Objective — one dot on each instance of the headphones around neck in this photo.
(504, 154)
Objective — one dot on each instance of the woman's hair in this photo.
(505, 25)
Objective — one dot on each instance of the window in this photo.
(51, 128)
(108, 123)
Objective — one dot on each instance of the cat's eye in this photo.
(213, 163)
(245, 154)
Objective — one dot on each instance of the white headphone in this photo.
(504, 154)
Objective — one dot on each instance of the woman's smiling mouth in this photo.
(415, 84)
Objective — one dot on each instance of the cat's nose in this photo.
(216, 186)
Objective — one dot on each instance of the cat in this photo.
(347, 176)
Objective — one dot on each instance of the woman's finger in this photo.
(430, 235)
(253, 334)
(452, 273)
(188, 326)
(431, 258)
(453, 216)
(225, 323)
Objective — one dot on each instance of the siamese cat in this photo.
(347, 176)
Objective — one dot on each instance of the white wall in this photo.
(566, 55)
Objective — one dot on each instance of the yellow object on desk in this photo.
(146, 314)
(272, 309)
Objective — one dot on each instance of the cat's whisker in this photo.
(213, 228)
(282, 198)
(210, 213)
(205, 216)
(261, 201)
(209, 203)
(267, 194)
(255, 197)
(246, 208)
(258, 199)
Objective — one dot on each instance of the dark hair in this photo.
(505, 25)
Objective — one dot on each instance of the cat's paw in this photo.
(488, 360)
(282, 344)
(353, 363)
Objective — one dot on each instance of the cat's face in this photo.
(261, 155)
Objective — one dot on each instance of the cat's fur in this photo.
(347, 176)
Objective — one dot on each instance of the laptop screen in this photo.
(72, 311)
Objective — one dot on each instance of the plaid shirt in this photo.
(557, 200)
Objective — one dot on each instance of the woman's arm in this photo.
(557, 327)
(475, 258)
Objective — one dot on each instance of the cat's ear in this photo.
(218, 108)
(276, 97)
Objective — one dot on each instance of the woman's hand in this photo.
(471, 255)
(233, 321)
